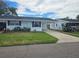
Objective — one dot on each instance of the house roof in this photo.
(31, 18)
(68, 19)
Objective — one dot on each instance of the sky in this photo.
(46, 8)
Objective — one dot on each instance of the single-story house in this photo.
(34, 23)
(58, 24)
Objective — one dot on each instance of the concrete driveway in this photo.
(63, 38)
(61, 50)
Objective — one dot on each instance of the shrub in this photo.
(69, 29)
(7, 30)
(17, 29)
(66, 29)
(21, 29)
(26, 29)
(34, 30)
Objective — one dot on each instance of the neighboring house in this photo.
(59, 23)
(34, 23)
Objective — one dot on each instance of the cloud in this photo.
(60, 8)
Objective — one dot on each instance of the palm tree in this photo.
(13, 10)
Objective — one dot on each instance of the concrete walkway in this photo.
(63, 38)
(59, 50)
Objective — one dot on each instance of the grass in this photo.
(26, 38)
(73, 33)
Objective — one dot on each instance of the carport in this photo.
(2, 25)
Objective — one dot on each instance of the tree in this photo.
(2, 3)
(77, 17)
(66, 18)
(2, 12)
(13, 10)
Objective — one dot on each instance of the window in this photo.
(36, 24)
(62, 25)
(56, 25)
(14, 22)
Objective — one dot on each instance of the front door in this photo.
(48, 26)
(2, 26)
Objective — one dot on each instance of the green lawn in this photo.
(73, 33)
(21, 38)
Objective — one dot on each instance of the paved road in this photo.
(61, 50)
(63, 38)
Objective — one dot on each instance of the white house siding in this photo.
(2, 21)
(52, 25)
(27, 24)
(36, 28)
(57, 25)
(11, 27)
(44, 25)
